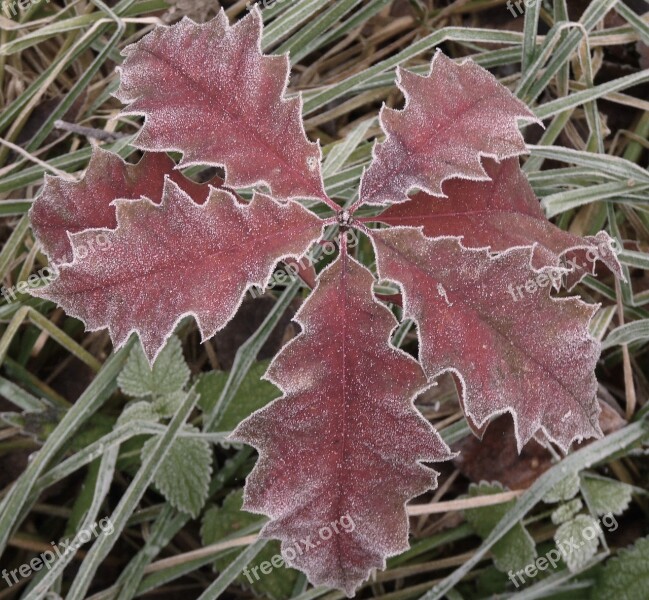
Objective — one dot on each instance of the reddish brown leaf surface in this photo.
(71, 206)
(208, 92)
(454, 116)
(345, 439)
(532, 356)
(582, 260)
(501, 213)
(178, 258)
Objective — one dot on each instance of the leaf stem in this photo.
(330, 203)
(357, 224)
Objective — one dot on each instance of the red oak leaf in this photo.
(208, 91)
(342, 451)
(500, 214)
(71, 206)
(529, 354)
(454, 116)
(582, 260)
(345, 440)
(178, 258)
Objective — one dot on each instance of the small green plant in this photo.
(437, 235)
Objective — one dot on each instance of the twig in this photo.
(89, 132)
(629, 388)
(166, 563)
(421, 509)
(463, 504)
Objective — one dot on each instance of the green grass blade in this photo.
(88, 403)
(130, 500)
(232, 571)
(599, 450)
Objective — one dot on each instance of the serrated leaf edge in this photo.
(205, 335)
(256, 16)
(492, 256)
(266, 377)
(459, 175)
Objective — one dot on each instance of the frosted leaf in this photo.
(168, 374)
(68, 206)
(179, 258)
(138, 411)
(208, 91)
(500, 214)
(455, 115)
(607, 496)
(169, 404)
(565, 512)
(577, 541)
(183, 477)
(344, 441)
(566, 489)
(530, 355)
(626, 576)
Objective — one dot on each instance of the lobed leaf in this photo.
(65, 207)
(452, 117)
(531, 356)
(208, 91)
(183, 478)
(179, 258)
(344, 441)
(502, 213)
(168, 374)
(575, 541)
(606, 496)
(626, 576)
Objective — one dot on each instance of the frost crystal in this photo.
(474, 255)
(345, 438)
